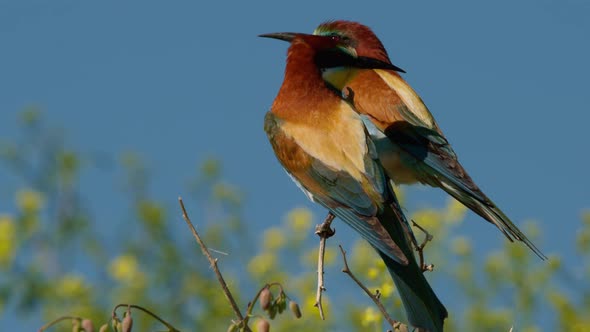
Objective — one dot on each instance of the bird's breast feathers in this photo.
(337, 139)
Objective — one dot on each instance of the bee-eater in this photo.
(410, 144)
(322, 143)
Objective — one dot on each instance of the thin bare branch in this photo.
(324, 232)
(420, 247)
(148, 312)
(375, 297)
(57, 320)
(213, 262)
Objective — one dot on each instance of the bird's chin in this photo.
(338, 77)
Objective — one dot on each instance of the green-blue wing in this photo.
(438, 166)
(347, 199)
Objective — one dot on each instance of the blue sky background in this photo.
(179, 81)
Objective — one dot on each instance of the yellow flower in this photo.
(226, 192)
(262, 264)
(387, 289)
(455, 212)
(151, 212)
(516, 251)
(124, 268)
(310, 257)
(7, 239)
(299, 219)
(429, 219)
(461, 246)
(554, 262)
(361, 256)
(70, 286)
(274, 238)
(496, 264)
(309, 303)
(582, 326)
(330, 256)
(531, 229)
(380, 264)
(372, 273)
(370, 317)
(29, 200)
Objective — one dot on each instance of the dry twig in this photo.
(146, 311)
(420, 247)
(375, 297)
(213, 261)
(57, 320)
(324, 232)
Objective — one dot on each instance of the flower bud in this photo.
(264, 298)
(87, 325)
(281, 302)
(75, 325)
(294, 307)
(127, 323)
(262, 325)
(116, 324)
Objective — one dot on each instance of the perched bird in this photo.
(410, 144)
(322, 143)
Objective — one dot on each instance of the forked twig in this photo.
(213, 262)
(324, 232)
(420, 247)
(375, 297)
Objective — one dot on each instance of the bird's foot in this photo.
(324, 230)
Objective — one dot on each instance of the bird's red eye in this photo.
(335, 38)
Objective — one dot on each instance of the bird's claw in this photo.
(324, 230)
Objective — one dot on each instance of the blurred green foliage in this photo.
(57, 258)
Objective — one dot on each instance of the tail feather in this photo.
(423, 308)
(489, 211)
(389, 232)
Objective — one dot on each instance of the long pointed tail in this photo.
(490, 212)
(423, 308)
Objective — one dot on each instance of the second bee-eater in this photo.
(411, 146)
(322, 143)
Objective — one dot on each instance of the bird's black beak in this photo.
(286, 36)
